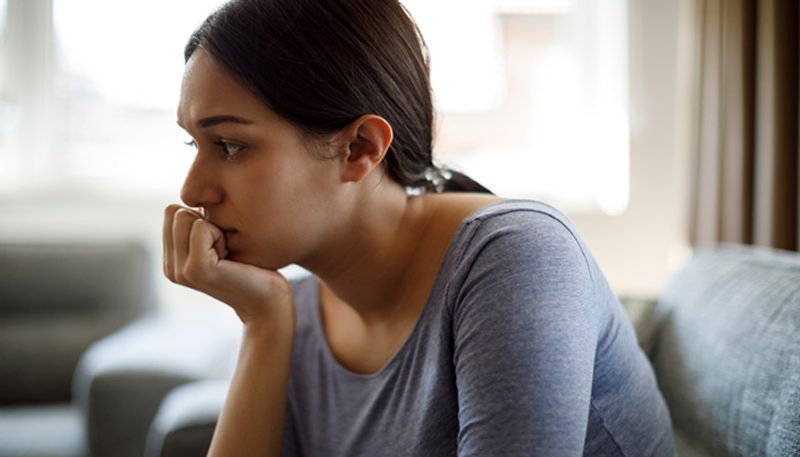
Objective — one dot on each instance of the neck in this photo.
(366, 264)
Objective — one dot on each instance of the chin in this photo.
(255, 260)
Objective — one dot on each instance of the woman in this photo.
(435, 322)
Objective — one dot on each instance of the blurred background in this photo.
(579, 103)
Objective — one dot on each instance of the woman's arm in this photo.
(251, 422)
(525, 337)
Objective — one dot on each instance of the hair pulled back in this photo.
(322, 64)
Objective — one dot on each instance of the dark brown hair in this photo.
(321, 64)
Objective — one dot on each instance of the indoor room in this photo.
(507, 216)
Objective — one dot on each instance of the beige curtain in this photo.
(745, 164)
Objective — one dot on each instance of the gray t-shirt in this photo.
(522, 349)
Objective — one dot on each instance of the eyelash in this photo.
(223, 146)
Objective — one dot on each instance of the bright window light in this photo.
(123, 84)
(531, 97)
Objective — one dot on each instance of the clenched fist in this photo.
(194, 256)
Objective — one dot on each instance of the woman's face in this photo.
(252, 174)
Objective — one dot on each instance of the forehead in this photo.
(208, 90)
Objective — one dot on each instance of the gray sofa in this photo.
(57, 299)
(125, 377)
(723, 337)
(86, 356)
(726, 350)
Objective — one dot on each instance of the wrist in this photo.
(275, 327)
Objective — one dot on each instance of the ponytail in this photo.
(459, 182)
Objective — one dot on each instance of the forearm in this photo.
(251, 421)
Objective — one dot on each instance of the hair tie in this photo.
(434, 180)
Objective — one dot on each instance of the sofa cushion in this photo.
(186, 420)
(35, 430)
(727, 352)
(123, 378)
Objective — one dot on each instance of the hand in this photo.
(194, 256)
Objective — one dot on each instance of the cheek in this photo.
(277, 237)
(308, 184)
(283, 214)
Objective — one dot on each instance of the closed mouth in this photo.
(225, 229)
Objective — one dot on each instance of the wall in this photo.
(641, 247)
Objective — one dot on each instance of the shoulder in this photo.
(484, 216)
(521, 212)
(528, 230)
(518, 248)
(521, 258)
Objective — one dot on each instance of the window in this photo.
(89, 106)
(5, 117)
(123, 91)
(531, 95)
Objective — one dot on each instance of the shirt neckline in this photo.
(444, 265)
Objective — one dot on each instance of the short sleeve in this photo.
(525, 334)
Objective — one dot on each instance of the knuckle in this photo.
(186, 213)
(171, 208)
(179, 278)
(169, 275)
(181, 213)
(191, 272)
(185, 216)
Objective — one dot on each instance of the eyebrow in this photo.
(220, 119)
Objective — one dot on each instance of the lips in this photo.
(227, 230)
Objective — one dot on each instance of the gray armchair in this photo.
(122, 379)
(55, 301)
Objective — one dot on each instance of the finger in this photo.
(181, 228)
(169, 261)
(203, 248)
(220, 245)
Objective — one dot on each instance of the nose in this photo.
(200, 188)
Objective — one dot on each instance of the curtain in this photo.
(745, 168)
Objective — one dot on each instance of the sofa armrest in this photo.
(642, 313)
(186, 419)
(122, 379)
(726, 356)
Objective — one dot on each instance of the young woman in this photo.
(436, 322)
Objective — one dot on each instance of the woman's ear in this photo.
(366, 141)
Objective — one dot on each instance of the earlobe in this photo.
(369, 137)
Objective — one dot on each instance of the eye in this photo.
(191, 143)
(229, 150)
